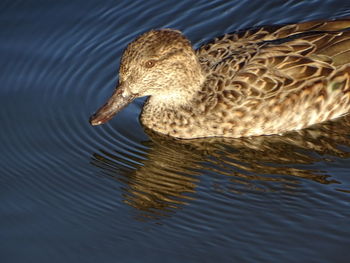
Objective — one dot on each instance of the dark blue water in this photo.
(75, 193)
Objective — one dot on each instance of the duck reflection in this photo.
(166, 176)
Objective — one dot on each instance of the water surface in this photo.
(117, 193)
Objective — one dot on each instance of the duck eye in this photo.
(150, 63)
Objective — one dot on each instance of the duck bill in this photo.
(115, 103)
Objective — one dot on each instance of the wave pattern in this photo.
(118, 186)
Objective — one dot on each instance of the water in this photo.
(116, 193)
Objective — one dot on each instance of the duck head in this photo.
(161, 64)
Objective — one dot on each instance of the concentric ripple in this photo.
(74, 192)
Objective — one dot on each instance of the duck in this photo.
(261, 81)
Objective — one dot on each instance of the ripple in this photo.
(87, 187)
(64, 86)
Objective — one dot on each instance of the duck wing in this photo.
(230, 44)
(275, 79)
(264, 62)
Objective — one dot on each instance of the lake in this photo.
(71, 192)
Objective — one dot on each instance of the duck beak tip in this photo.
(115, 104)
(93, 122)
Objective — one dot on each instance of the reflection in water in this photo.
(167, 176)
(157, 184)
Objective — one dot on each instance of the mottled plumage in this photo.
(266, 80)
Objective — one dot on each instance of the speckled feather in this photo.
(267, 80)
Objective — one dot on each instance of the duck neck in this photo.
(182, 90)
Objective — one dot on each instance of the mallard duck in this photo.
(261, 81)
